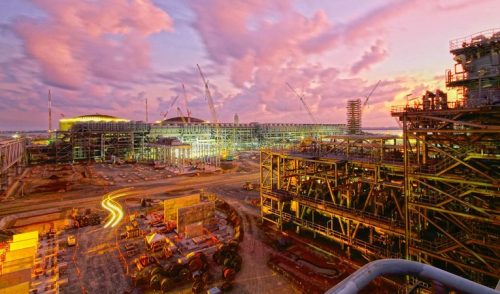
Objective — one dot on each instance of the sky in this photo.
(109, 56)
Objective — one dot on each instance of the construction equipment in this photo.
(186, 104)
(301, 98)
(370, 94)
(248, 186)
(71, 240)
(221, 150)
(182, 116)
(164, 114)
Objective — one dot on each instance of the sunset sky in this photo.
(108, 56)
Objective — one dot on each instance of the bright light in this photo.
(15, 136)
(114, 207)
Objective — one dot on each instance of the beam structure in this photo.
(429, 196)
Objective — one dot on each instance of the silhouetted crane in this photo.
(303, 102)
(186, 104)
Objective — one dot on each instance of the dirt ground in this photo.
(94, 264)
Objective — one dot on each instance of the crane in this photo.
(186, 104)
(371, 92)
(164, 114)
(182, 115)
(301, 98)
(208, 96)
(213, 113)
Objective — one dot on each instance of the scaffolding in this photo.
(251, 136)
(432, 196)
(354, 116)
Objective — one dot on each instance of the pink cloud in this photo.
(105, 39)
(264, 48)
(375, 54)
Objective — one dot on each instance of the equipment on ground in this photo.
(248, 186)
(71, 240)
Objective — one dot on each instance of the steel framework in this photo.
(11, 153)
(432, 196)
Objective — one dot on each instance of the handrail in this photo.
(469, 40)
(363, 276)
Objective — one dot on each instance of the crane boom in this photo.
(170, 107)
(371, 92)
(303, 102)
(186, 104)
(182, 115)
(208, 96)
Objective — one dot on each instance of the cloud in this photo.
(375, 54)
(265, 44)
(91, 39)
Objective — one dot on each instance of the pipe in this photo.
(363, 276)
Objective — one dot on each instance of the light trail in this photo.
(114, 207)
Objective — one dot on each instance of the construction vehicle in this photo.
(248, 186)
(71, 240)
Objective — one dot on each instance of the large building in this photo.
(431, 196)
(102, 137)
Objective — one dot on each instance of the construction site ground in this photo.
(94, 264)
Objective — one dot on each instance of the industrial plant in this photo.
(104, 204)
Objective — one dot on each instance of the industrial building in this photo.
(102, 137)
(431, 196)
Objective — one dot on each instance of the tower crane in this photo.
(186, 104)
(301, 98)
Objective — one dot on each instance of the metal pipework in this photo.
(363, 276)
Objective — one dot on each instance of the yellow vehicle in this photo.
(71, 240)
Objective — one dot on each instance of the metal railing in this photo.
(419, 107)
(475, 38)
(363, 276)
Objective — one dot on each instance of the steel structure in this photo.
(245, 136)
(432, 196)
(12, 155)
(354, 116)
(12, 152)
